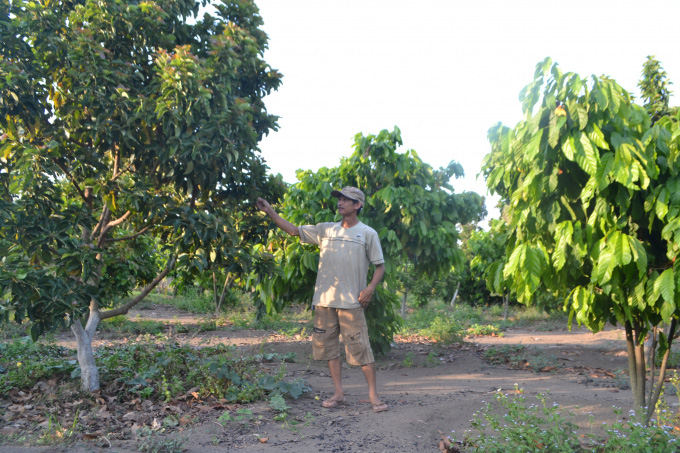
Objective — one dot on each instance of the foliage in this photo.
(521, 428)
(153, 371)
(24, 363)
(114, 117)
(637, 436)
(482, 249)
(122, 325)
(411, 205)
(510, 424)
(165, 371)
(655, 90)
(589, 189)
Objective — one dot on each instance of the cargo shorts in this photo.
(330, 323)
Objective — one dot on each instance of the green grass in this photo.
(126, 326)
(443, 323)
(513, 423)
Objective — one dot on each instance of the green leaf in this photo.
(580, 116)
(569, 148)
(665, 285)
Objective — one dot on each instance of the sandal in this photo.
(381, 407)
(332, 403)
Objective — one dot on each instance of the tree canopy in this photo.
(411, 205)
(589, 187)
(124, 126)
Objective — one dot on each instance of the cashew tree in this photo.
(590, 188)
(412, 206)
(124, 128)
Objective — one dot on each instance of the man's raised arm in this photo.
(280, 222)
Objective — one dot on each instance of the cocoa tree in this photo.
(412, 206)
(124, 126)
(590, 192)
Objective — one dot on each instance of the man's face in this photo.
(346, 206)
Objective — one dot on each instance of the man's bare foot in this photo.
(380, 407)
(333, 401)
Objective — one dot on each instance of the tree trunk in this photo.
(662, 374)
(636, 367)
(403, 305)
(89, 374)
(227, 286)
(506, 306)
(455, 295)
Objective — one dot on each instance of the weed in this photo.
(634, 436)
(431, 360)
(511, 355)
(509, 425)
(488, 329)
(55, 433)
(25, 363)
(151, 442)
(543, 363)
(243, 416)
(408, 360)
(122, 325)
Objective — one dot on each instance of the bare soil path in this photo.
(438, 393)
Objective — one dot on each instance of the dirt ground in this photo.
(439, 393)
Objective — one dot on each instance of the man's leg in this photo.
(369, 373)
(355, 335)
(325, 343)
(334, 366)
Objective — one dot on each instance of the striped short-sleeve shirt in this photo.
(345, 254)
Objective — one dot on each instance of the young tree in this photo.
(120, 120)
(655, 88)
(590, 189)
(411, 205)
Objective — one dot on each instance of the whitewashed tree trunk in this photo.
(89, 377)
(455, 295)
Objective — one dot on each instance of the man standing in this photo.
(341, 294)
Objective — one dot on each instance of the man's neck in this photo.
(349, 221)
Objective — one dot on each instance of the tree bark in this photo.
(638, 388)
(89, 374)
(455, 295)
(403, 305)
(227, 286)
(662, 374)
(506, 306)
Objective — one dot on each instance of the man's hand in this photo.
(366, 295)
(262, 205)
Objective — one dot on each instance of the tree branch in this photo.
(109, 225)
(118, 221)
(145, 292)
(101, 220)
(73, 180)
(132, 236)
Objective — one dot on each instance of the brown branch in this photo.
(116, 160)
(132, 236)
(73, 180)
(102, 220)
(109, 225)
(120, 172)
(118, 221)
(145, 292)
(651, 404)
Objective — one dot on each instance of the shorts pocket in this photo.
(319, 337)
(355, 345)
